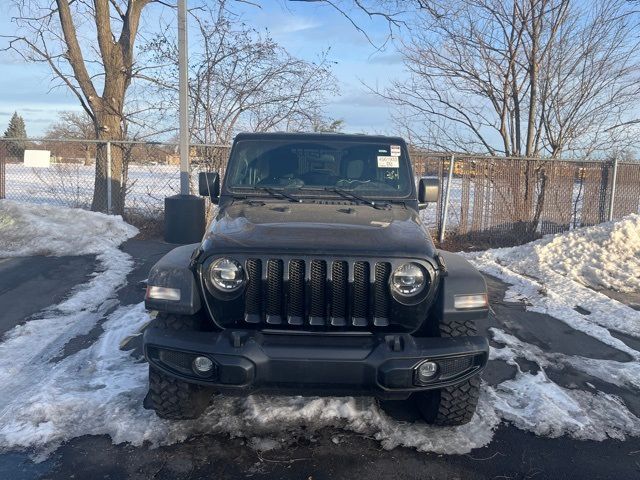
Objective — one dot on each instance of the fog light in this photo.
(202, 365)
(426, 371)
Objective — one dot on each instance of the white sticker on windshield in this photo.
(395, 150)
(385, 161)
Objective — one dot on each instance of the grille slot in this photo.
(253, 300)
(274, 292)
(360, 294)
(317, 287)
(339, 285)
(295, 310)
(381, 295)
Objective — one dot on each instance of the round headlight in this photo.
(408, 279)
(226, 275)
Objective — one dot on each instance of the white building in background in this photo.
(37, 158)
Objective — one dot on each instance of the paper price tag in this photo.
(388, 161)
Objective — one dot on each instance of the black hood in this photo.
(318, 229)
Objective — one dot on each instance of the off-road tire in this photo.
(458, 328)
(455, 405)
(174, 399)
(171, 398)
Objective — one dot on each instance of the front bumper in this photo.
(250, 361)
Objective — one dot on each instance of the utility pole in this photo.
(184, 215)
(184, 96)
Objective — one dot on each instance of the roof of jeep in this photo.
(302, 136)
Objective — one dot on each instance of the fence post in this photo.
(445, 212)
(612, 198)
(3, 177)
(109, 177)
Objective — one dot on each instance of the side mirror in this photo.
(428, 191)
(209, 185)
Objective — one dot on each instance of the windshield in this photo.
(368, 168)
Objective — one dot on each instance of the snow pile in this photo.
(57, 231)
(603, 256)
(100, 390)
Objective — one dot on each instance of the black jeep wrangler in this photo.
(316, 277)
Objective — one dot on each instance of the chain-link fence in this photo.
(507, 201)
(483, 201)
(132, 178)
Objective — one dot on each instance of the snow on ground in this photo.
(44, 230)
(554, 276)
(558, 273)
(99, 390)
(531, 401)
(71, 185)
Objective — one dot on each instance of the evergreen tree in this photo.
(16, 129)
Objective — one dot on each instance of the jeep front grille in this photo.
(317, 293)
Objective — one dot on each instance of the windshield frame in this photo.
(315, 191)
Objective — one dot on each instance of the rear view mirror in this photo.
(209, 185)
(428, 191)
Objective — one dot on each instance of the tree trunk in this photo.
(110, 129)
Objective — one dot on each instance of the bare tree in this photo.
(396, 14)
(75, 126)
(521, 78)
(89, 48)
(241, 80)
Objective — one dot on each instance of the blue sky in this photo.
(303, 29)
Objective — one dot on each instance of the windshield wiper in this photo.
(278, 194)
(352, 196)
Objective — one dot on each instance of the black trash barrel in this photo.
(184, 220)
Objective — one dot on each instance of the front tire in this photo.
(171, 398)
(454, 405)
(449, 406)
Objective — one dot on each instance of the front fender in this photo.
(461, 278)
(173, 271)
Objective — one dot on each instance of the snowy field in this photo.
(45, 401)
(71, 185)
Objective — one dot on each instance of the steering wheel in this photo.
(345, 182)
(286, 181)
(374, 185)
(294, 182)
